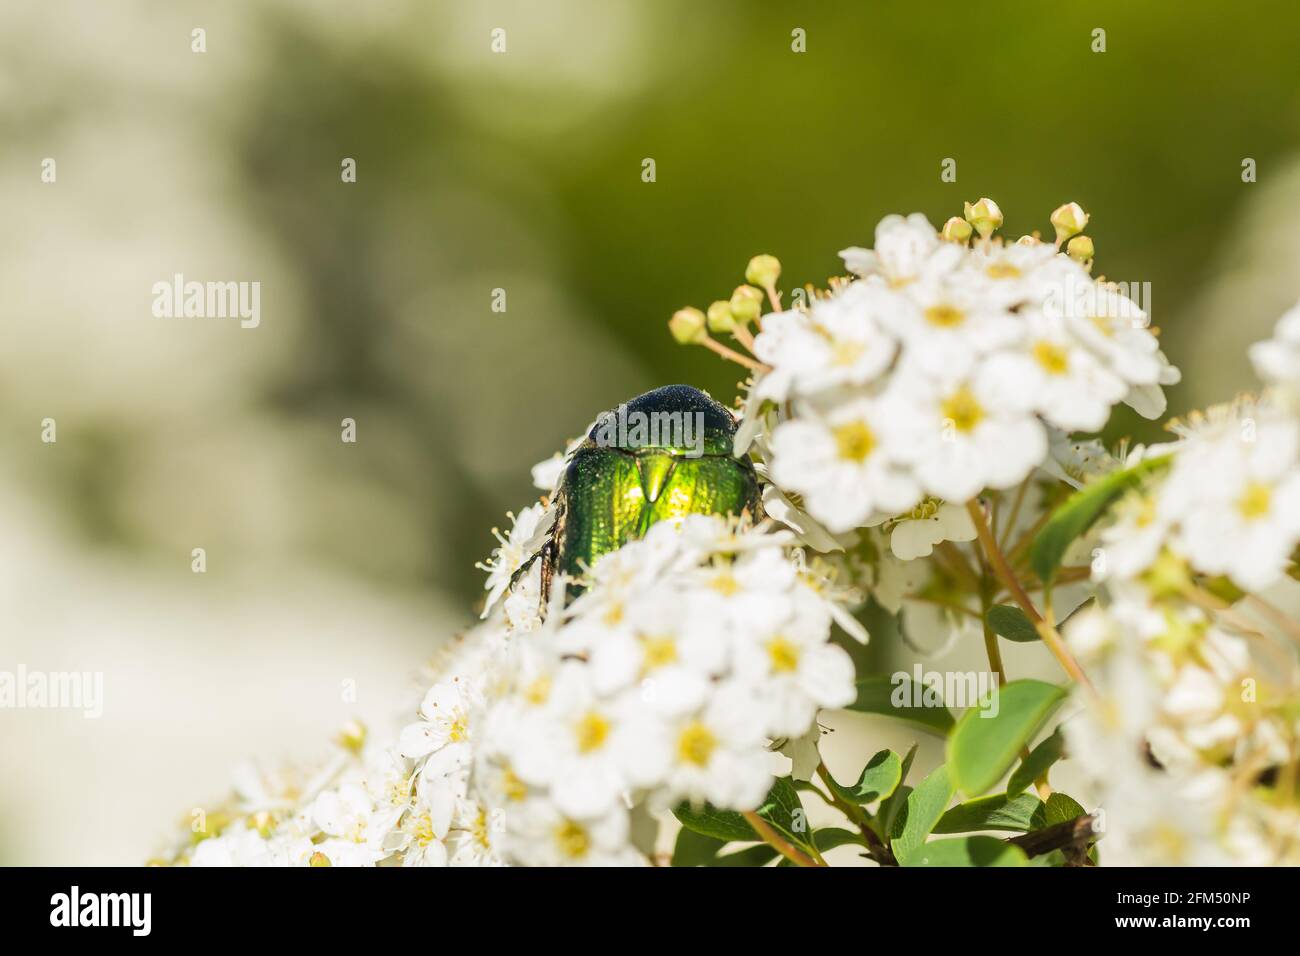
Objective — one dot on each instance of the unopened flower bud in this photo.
(720, 317)
(352, 737)
(746, 304)
(1069, 220)
(763, 271)
(1168, 575)
(319, 859)
(1080, 249)
(956, 229)
(985, 216)
(687, 326)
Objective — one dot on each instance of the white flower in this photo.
(520, 543)
(1277, 360)
(546, 474)
(592, 749)
(246, 846)
(538, 833)
(1117, 331)
(836, 343)
(964, 435)
(846, 465)
(718, 754)
(946, 325)
(905, 249)
(736, 597)
(655, 647)
(474, 833)
(793, 670)
(1131, 544)
(356, 828)
(1056, 376)
(1235, 491)
(915, 533)
(446, 711)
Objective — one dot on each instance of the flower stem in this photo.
(778, 842)
(1051, 637)
(731, 355)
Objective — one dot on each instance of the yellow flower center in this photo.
(725, 583)
(479, 829)
(1255, 501)
(1170, 841)
(783, 654)
(572, 840)
(695, 744)
(591, 731)
(538, 691)
(458, 729)
(854, 441)
(422, 829)
(1002, 270)
(846, 352)
(945, 316)
(514, 788)
(963, 409)
(658, 651)
(1052, 357)
(1103, 325)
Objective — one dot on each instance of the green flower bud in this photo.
(687, 326)
(746, 304)
(957, 230)
(720, 317)
(1080, 249)
(763, 271)
(1069, 220)
(985, 216)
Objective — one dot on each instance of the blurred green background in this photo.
(479, 171)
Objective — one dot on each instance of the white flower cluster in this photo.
(547, 737)
(664, 682)
(1193, 713)
(940, 370)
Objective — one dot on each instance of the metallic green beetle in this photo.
(662, 455)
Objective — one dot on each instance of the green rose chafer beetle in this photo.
(661, 456)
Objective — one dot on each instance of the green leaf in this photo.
(828, 838)
(967, 851)
(1058, 808)
(998, 811)
(879, 778)
(1080, 512)
(924, 807)
(724, 825)
(695, 849)
(890, 807)
(785, 811)
(981, 748)
(1010, 622)
(756, 855)
(877, 695)
(781, 808)
(1038, 762)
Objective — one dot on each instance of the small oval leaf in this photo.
(1080, 511)
(1010, 622)
(968, 851)
(981, 747)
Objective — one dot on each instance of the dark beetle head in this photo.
(676, 418)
